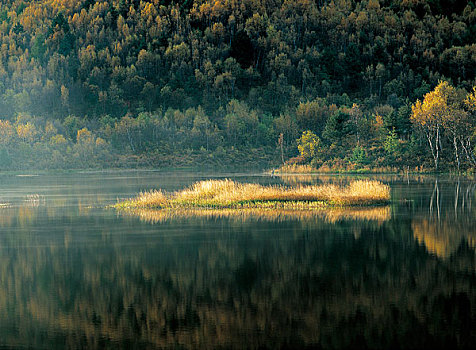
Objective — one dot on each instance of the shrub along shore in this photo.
(228, 194)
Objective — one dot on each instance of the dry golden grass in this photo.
(151, 199)
(215, 194)
(376, 214)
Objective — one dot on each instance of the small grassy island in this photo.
(228, 194)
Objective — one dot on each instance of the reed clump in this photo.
(221, 194)
(148, 200)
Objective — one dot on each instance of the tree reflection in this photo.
(447, 226)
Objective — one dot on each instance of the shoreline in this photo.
(375, 171)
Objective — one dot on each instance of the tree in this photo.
(309, 145)
(202, 126)
(336, 127)
(428, 116)
(7, 132)
(454, 121)
(27, 132)
(469, 125)
(359, 156)
(281, 146)
(391, 144)
(312, 115)
(449, 110)
(240, 123)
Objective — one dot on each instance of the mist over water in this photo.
(74, 274)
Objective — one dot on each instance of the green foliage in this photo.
(359, 156)
(336, 127)
(391, 144)
(38, 48)
(3, 15)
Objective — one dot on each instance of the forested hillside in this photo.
(135, 82)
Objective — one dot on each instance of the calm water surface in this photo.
(76, 275)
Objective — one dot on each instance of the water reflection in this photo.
(74, 275)
(333, 215)
(450, 221)
(443, 238)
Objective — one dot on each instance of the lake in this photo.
(75, 274)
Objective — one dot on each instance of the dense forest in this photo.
(87, 83)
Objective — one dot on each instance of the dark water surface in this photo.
(76, 275)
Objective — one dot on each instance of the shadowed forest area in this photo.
(372, 84)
